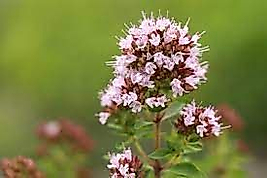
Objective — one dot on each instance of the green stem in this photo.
(142, 152)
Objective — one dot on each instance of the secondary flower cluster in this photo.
(202, 120)
(157, 55)
(54, 132)
(20, 167)
(125, 165)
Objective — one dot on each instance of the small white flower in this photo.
(184, 31)
(124, 169)
(150, 68)
(114, 161)
(128, 154)
(135, 31)
(129, 98)
(216, 130)
(170, 34)
(146, 82)
(155, 39)
(147, 26)
(118, 81)
(162, 23)
(160, 101)
(184, 40)
(115, 175)
(189, 120)
(201, 130)
(195, 51)
(126, 43)
(191, 62)
(105, 99)
(168, 63)
(141, 41)
(195, 38)
(192, 81)
(103, 117)
(136, 106)
(159, 58)
(131, 175)
(209, 113)
(177, 88)
(151, 101)
(177, 58)
(109, 94)
(136, 77)
(201, 71)
(52, 128)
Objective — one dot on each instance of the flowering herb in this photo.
(66, 132)
(156, 56)
(64, 145)
(20, 167)
(159, 65)
(125, 165)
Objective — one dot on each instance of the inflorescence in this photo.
(125, 165)
(20, 167)
(157, 56)
(201, 120)
(63, 131)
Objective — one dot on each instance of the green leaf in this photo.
(173, 110)
(175, 141)
(122, 145)
(160, 153)
(193, 147)
(150, 174)
(115, 126)
(167, 174)
(188, 170)
(143, 124)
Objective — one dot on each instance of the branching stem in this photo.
(142, 152)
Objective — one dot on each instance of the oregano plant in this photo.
(159, 65)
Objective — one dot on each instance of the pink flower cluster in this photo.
(124, 165)
(202, 120)
(159, 53)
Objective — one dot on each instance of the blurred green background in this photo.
(52, 56)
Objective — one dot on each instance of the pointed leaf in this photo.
(159, 154)
(193, 147)
(188, 170)
(173, 110)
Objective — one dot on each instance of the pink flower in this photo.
(155, 39)
(129, 98)
(201, 130)
(126, 43)
(141, 41)
(177, 58)
(168, 63)
(136, 106)
(159, 58)
(162, 23)
(52, 128)
(124, 165)
(151, 102)
(150, 68)
(177, 88)
(202, 120)
(103, 117)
